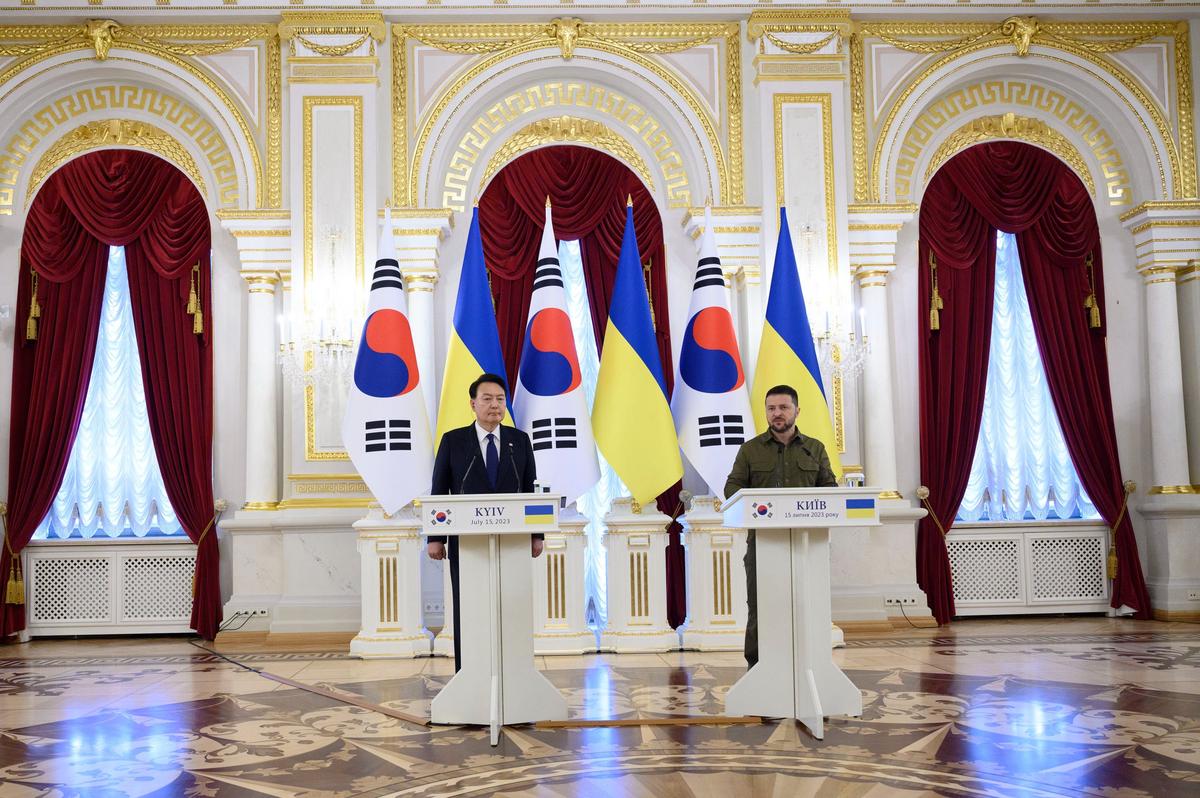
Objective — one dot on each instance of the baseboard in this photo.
(920, 621)
(863, 627)
(1177, 616)
(286, 641)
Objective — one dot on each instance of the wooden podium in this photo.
(498, 684)
(795, 676)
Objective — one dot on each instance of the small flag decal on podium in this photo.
(539, 513)
(860, 508)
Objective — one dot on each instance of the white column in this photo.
(390, 550)
(873, 232)
(420, 287)
(559, 599)
(879, 420)
(264, 242)
(1168, 430)
(716, 580)
(1189, 338)
(262, 394)
(1166, 239)
(636, 543)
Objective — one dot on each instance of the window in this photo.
(112, 486)
(1022, 470)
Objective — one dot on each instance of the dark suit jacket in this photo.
(459, 466)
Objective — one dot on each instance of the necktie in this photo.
(492, 460)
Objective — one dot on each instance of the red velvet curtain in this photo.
(587, 191)
(1022, 190)
(131, 199)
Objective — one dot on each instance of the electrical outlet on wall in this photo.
(909, 600)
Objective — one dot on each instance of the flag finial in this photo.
(547, 200)
(629, 201)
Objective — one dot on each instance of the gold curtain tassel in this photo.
(198, 323)
(14, 592)
(1112, 563)
(935, 298)
(193, 305)
(1092, 303)
(35, 307)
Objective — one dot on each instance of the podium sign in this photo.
(490, 513)
(498, 683)
(795, 676)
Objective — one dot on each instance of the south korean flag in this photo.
(549, 402)
(711, 404)
(385, 430)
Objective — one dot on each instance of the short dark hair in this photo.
(781, 390)
(497, 379)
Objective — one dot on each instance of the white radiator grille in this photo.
(985, 570)
(93, 587)
(1067, 568)
(158, 587)
(69, 590)
(1018, 569)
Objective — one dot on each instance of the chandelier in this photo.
(318, 346)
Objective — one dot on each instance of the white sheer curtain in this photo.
(112, 486)
(595, 503)
(1022, 470)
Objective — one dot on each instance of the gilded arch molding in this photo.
(123, 133)
(1019, 128)
(566, 130)
(1087, 42)
(629, 42)
(175, 45)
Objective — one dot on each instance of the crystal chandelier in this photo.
(318, 348)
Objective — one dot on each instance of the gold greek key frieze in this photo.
(559, 94)
(115, 132)
(1022, 128)
(500, 42)
(42, 123)
(558, 129)
(937, 115)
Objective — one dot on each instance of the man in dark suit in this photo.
(483, 457)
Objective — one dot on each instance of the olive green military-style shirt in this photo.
(763, 462)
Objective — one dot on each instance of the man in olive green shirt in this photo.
(782, 457)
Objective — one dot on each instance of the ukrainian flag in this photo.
(539, 513)
(474, 340)
(787, 355)
(860, 508)
(631, 417)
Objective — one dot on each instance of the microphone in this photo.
(463, 484)
(513, 460)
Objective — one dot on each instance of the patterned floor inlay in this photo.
(921, 734)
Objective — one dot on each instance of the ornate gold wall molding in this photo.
(970, 99)
(1090, 41)
(115, 133)
(1020, 128)
(511, 109)
(365, 26)
(175, 45)
(566, 129)
(825, 101)
(630, 41)
(179, 115)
